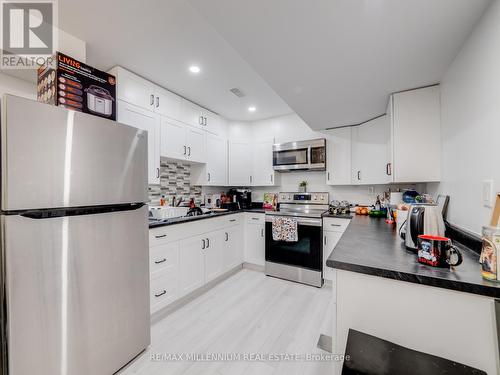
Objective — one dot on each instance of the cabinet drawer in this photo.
(256, 218)
(164, 290)
(333, 224)
(163, 256)
(159, 236)
(232, 220)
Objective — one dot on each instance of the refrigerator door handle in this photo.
(78, 211)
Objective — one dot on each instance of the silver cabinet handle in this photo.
(208, 243)
(161, 293)
(208, 176)
(189, 151)
(205, 121)
(232, 220)
(325, 240)
(152, 100)
(157, 172)
(262, 232)
(203, 245)
(161, 236)
(359, 175)
(388, 169)
(157, 101)
(271, 179)
(200, 120)
(335, 225)
(250, 179)
(255, 218)
(328, 176)
(161, 261)
(227, 237)
(185, 150)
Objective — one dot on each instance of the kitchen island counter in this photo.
(372, 247)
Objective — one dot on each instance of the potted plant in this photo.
(303, 186)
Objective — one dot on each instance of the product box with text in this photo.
(77, 86)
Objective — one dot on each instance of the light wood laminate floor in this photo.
(246, 313)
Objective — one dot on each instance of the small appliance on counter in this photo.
(339, 208)
(243, 197)
(231, 206)
(422, 219)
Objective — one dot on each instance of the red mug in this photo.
(437, 251)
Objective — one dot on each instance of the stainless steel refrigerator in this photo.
(74, 241)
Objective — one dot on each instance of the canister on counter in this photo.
(489, 253)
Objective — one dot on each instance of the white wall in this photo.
(470, 101)
(16, 86)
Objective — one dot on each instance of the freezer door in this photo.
(77, 291)
(53, 157)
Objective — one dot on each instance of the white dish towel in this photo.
(285, 229)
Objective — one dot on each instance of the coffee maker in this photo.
(241, 196)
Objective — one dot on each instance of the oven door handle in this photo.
(308, 221)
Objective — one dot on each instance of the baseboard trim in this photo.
(167, 310)
(253, 267)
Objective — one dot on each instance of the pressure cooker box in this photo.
(74, 85)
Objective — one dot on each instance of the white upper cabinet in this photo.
(369, 151)
(195, 141)
(191, 113)
(338, 157)
(263, 172)
(167, 103)
(214, 171)
(240, 163)
(140, 92)
(416, 124)
(211, 122)
(133, 89)
(146, 120)
(181, 142)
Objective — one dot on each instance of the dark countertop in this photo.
(184, 219)
(372, 247)
(338, 216)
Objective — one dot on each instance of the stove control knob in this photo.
(315, 197)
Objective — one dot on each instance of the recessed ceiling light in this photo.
(194, 69)
(252, 109)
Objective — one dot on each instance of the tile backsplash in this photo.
(174, 182)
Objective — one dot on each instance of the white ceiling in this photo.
(335, 61)
(159, 40)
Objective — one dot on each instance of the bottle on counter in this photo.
(489, 253)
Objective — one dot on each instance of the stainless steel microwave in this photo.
(301, 155)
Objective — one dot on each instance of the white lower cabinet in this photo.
(255, 239)
(333, 229)
(164, 268)
(184, 257)
(213, 255)
(232, 253)
(191, 263)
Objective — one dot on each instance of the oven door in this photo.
(305, 253)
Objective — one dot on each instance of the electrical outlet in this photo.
(488, 193)
(371, 190)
